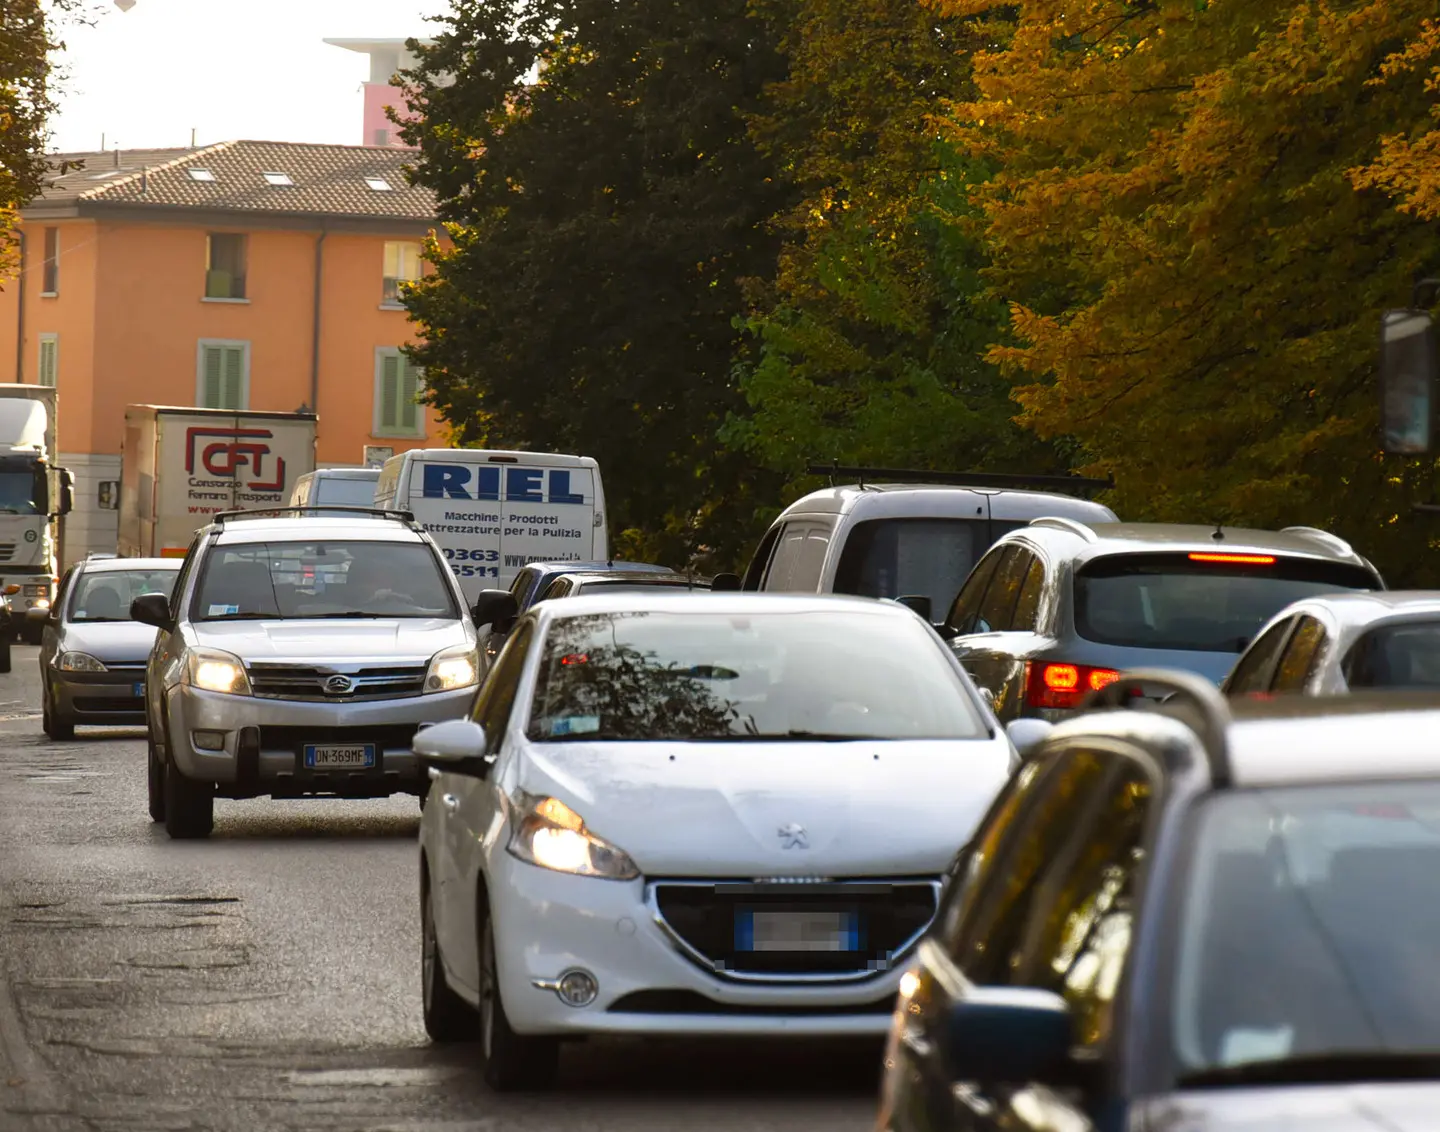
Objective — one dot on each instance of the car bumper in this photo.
(549, 923)
(115, 697)
(284, 727)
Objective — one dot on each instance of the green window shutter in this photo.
(410, 396)
(234, 387)
(211, 390)
(390, 392)
(49, 361)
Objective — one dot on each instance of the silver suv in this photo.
(298, 658)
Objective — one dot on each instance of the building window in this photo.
(223, 375)
(49, 369)
(398, 383)
(51, 283)
(225, 266)
(382, 137)
(402, 265)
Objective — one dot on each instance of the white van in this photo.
(348, 487)
(912, 540)
(493, 513)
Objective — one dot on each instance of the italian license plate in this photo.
(140, 690)
(796, 931)
(336, 756)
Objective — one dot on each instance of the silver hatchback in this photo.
(298, 658)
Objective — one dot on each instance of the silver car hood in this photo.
(113, 642)
(360, 639)
(753, 809)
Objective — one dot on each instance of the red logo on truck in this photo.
(226, 450)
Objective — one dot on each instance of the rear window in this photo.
(345, 492)
(1195, 603)
(1396, 656)
(900, 557)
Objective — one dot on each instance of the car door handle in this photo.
(450, 802)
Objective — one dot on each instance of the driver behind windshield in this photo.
(374, 583)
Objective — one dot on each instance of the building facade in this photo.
(387, 58)
(244, 275)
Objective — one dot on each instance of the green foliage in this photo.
(605, 206)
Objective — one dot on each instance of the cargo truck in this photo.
(181, 466)
(34, 493)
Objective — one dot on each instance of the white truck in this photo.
(493, 513)
(182, 466)
(34, 493)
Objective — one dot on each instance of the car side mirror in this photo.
(1008, 1034)
(1408, 366)
(151, 609)
(39, 616)
(920, 603)
(1027, 734)
(725, 583)
(494, 608)
(457, 746)
(947, 632)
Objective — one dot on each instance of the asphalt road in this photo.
(269, 977)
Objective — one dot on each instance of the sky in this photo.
(228, 69)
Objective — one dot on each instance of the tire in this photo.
(58, 726)
(156, 777)
(31, 636)
(448, 1017)
(5, 655)
(511, 1062)
(189, 805)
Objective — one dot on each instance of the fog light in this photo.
(209, 740)
(577, 988)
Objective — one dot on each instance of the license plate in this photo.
(334, 756)
(797, 931)
(140, 690)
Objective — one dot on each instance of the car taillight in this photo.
(1052, 684)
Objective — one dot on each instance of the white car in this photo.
(694, 814)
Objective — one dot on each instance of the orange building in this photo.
(246, 275)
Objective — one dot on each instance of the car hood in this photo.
(1407, 1107)
(882, 808)
(109, 641)
(389, 639)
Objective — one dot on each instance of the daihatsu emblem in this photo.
(339, 685)
(793, 836)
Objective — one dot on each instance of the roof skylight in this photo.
(378, 184)
(200, 174)
(279, 179)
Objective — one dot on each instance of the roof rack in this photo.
(310, 509)
(1192, 699)
(1074, 526)
(1315, 534)
(962, 479)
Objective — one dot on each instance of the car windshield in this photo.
(346, 492)
(1309, 931)
(1202, 601)
(1396, 656)
(717, 676)
(322, 579)
(106, 594)
(889, 558)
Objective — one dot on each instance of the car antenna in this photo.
(1219, 535)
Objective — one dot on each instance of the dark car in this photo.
(1059, 608)
(1169, 921)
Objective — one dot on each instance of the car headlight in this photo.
(453, 668)
(216, 671)
(548, 833)
(79, 662)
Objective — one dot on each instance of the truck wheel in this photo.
(156, 782)
(189, 805)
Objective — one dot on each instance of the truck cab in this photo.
(34, 494)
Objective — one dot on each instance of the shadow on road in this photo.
(311, 820)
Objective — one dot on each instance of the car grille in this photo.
(301, 682)
(131, 704)
(690, 1002)
(7, 551)
(704, 919)
(388, 737)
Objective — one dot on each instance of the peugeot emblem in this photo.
(339, 685)
(793, 836)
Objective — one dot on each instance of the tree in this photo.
(868, 344)
(1195, 285)
(605, 207)
(1408, 167)
(26, 102)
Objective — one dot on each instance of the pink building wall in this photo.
(379, 130)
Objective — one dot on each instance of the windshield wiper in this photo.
(352, 613)
(1349, 1066)
(795, 734)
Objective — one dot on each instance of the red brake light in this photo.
(575, 658)
(1234, 559)
(1063, 685)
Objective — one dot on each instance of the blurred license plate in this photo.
(797, 931)
(351, 756)
(140, 690)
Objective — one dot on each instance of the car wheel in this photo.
(189, 805)
(31, 636)
(5, 654)
(57, 725)
(448, 1017)
(156, 778)
(512, 1062)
